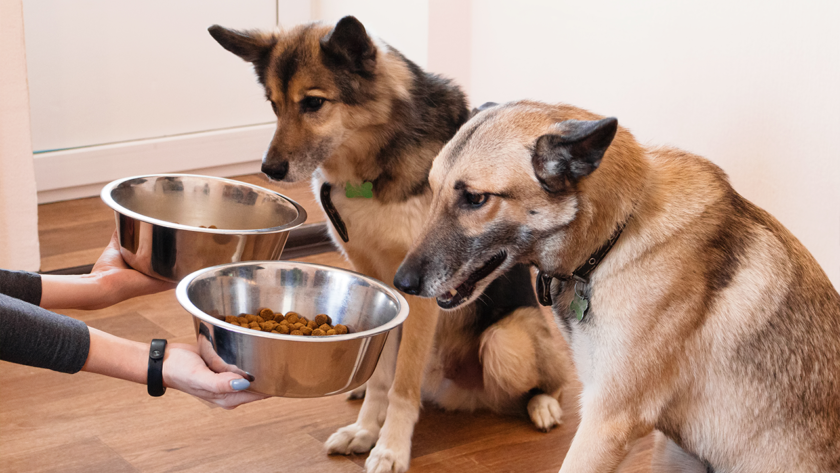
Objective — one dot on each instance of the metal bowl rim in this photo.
(105, 194)
(187, 304)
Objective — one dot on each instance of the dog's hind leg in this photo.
(360, 436)
(544, 411)
(393, 450)
(668, 457)
(511, 356)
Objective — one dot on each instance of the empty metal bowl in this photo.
(165, 222)
(292, 365)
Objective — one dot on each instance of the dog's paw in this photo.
(386, 460)
(358, 393)
(545, 412)
(351, 439)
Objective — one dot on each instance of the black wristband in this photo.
(154, 377)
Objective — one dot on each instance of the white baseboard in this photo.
(82, 172)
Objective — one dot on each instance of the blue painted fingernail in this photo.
(240, 384)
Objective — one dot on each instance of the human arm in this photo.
(183, 369)
(30, 335)
(33, 336)
(110, 281)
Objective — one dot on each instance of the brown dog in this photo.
(364, 124)
(688, 309)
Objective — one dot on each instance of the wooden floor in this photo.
(53, 422)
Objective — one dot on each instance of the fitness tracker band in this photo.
(154, 376)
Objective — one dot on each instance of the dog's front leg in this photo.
(393, 450)
(603, 439)
(360, 436)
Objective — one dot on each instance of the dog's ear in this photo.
(348, 45)
(482, 108)
(249, 46)
(561, 159)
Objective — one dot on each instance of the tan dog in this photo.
(706, 320)
(364, 124)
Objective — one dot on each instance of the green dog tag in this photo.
(579, 305)
(365, 190)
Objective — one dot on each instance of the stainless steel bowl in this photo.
(292, 365)
(160, 219)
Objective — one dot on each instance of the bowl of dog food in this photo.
(293, 329)
(170, 225)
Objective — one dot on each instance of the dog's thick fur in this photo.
(351, 109)
(709, 321)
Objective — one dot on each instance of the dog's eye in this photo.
(475, 200)
(311, 104)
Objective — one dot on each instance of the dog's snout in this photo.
(408, 278)
(276, 170)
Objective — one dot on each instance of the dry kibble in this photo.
(290, 324)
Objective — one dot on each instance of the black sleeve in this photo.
(21, 285)
(33, 336)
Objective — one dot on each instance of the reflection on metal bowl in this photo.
(160, 219)
(292, 365)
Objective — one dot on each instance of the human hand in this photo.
(121, 281)
(185, 370)
(110, 281)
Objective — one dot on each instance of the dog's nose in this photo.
(276, 170)
(408, 280)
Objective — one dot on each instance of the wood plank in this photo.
(89, 454)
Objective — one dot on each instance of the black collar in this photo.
(582, 272)
(332, 212)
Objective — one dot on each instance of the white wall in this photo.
(122, 88)
(751, 85)
(403, 24)
(102, 71)
(450, 40)
(18, 212)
